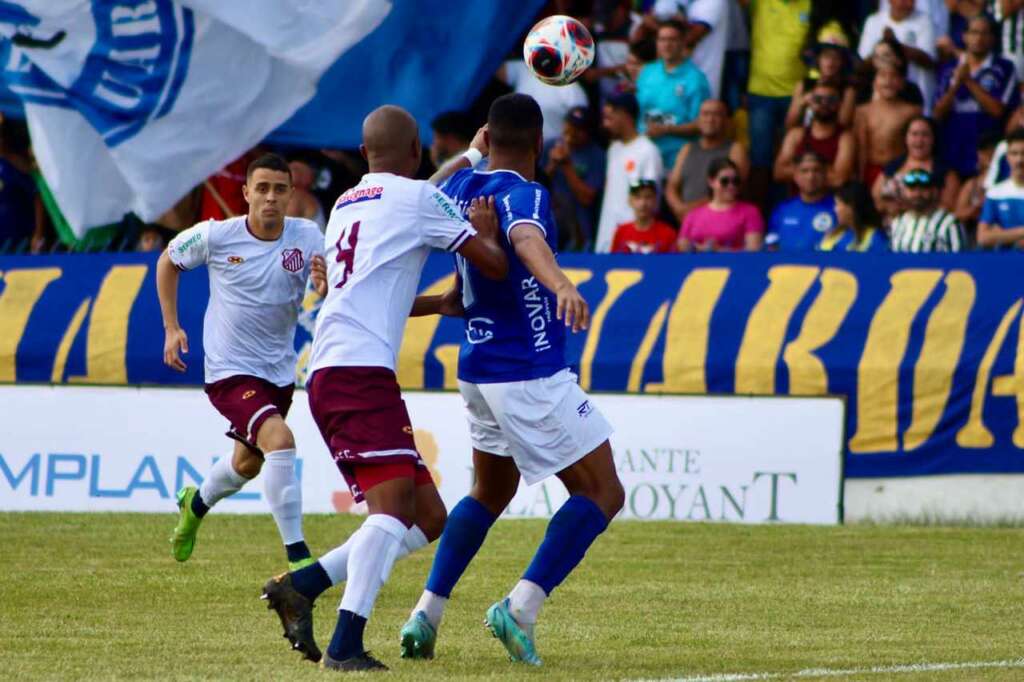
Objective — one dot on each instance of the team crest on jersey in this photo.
(235, 260)
(291, 260)
(248, 394)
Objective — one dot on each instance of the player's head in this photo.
(515, 125)
(453, 131)
(391, 141)
(267, 189)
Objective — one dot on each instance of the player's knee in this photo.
(275, 435)
(494, 498)
(431, 519)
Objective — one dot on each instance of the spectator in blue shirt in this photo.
(670, 92)
(978, 91)
(800, 223)
(575, 164)
(1002, 215)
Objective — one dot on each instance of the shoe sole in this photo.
(309, 650)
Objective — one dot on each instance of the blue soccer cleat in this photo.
(518, 641)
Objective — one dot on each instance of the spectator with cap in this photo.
(824, 136)
(915, 32)
(924, 226)
(799, 223)
(1002, 217)
(724, 223)
(645, 233)
(575, 165)
(670, 92)
(686, 187)
(978, 91)
(831, 65)
(453, 131)
(778, 32)
(631, 157)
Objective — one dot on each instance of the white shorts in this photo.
(545, 425)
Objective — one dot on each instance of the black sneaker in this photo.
(362, 662)
(296, 614)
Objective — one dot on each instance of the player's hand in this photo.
(451, 303)
(175, 339)
(318, 274)
(572, 307)
(484, 217)
(479, 141)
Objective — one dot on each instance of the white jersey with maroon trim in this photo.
(256, 292)
(378, 238)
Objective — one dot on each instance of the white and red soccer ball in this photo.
(558, 50)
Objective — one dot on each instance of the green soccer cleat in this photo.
(518, 642)
(418, 637)
(301, 563)
(184, 539)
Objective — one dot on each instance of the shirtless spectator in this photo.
(303, 203)
(687, 183)
(824, 136)
(879, 125)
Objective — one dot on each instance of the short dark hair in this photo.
(932, 125)
(274, 162)
(455, 123)
(1016, 135)
(990, 139)
(514, 121)
(809, 154)
(674, 24)
(644, 50)
(719, 165)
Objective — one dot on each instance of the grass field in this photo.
(97, 596)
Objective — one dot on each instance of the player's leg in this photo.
(557, 430)
(226, 477)
(282, 487)
(495, 482)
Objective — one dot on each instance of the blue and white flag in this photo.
(132, 103)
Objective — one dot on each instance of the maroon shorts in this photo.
(247, 402)
(363, 420)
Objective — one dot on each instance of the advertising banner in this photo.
(683, 458)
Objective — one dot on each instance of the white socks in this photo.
(433, 606)
(284, 493)
(525, 601)
(222, 481)
(375, 546)
(335, 562)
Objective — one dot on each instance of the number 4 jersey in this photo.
(377, 241)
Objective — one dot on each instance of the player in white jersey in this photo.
(258, 265)
(378, 238)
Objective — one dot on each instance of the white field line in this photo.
(835, 672)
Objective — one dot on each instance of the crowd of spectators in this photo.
(714, 125)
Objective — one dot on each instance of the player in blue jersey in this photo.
(527, 415)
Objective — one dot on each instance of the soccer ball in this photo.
(558, 50)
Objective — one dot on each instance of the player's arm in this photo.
(990, 234)
(448, 304)
(175, 339)
(318, 274)
(484, 250)
(188, 250)
(450, 167)
(531, 248)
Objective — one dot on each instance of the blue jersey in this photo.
(511, 330)
(1003, 207)
(799, 226)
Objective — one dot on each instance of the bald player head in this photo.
(391, 141)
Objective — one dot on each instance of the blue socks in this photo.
(297, 551)
(570, 533)
(311, 581)
(465, 531)
(348, 636)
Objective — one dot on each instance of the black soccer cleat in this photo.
(296, 614)
(364, 662)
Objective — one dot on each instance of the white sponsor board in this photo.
(734, 459)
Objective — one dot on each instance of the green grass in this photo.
(98, 596)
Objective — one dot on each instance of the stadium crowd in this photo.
(711, 125)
